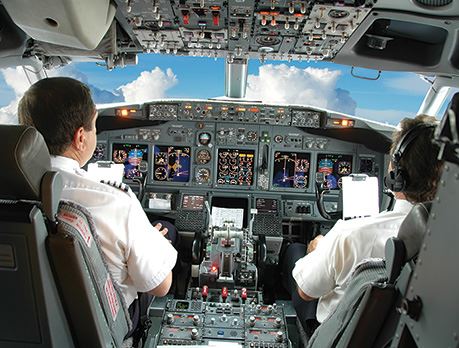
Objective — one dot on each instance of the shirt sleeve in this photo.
(316, 274)
(150, 256)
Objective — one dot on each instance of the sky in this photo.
(389, 99)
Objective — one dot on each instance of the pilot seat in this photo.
(56, 289)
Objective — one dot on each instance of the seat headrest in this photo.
(413, 229)
(25, 159)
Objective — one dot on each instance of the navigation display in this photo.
(171, 163)
(291, 169)
(134, 157)
(235, 167)
(334, 167)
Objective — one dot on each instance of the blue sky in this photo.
(393, 96)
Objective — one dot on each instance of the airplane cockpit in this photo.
(240, 179)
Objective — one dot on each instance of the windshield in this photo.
(326, 85)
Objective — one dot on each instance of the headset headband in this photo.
(408, 138)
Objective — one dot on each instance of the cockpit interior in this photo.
(239, 179)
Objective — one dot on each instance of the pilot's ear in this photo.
(79, 139)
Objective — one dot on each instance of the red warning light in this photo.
(214, 269)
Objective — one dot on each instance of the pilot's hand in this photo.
(161, 229)
(313, 244)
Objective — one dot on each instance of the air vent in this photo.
(433, 3)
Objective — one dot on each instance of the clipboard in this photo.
(106, 170)
(360, 196)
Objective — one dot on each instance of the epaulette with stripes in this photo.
(118, 185)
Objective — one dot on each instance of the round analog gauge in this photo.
(143, 166)
(203, 157)
(204, 138)
(344, 168)
(99, 152)
(202, 175)
(119, 156)
(161, 173)
(161, 158)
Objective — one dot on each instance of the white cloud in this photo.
(409, 83)
(310, 86)
(149, 85)
(389, 116)
(16, 79)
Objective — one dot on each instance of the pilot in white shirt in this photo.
(138, 256)
(324, 272)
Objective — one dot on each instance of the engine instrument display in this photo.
(235, 167)
(171, 163)
(291, 169)
(192, 202)
(134, 157)
(334, 166)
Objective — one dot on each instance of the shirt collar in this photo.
(67, 164)
(402, 206)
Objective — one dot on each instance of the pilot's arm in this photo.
(305, 296)
(317, 273)
(150, 257)
(163, 288)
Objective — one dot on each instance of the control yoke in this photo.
(321, 191)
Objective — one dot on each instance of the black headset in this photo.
(397, 180)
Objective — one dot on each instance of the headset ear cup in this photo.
(389, 180)
(395, 180)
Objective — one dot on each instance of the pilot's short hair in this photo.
(57, 107)
(419, 161)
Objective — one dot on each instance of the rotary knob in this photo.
(279, 336)
(196, 320)
(169, 318)
(195, 334)
(252, 321)
(278, 322)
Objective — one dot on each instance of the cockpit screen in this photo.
(171, 163)
(291, 169)
(235, 167)
(192, 202)
(134, 157)
(266, 205)
(334, 167)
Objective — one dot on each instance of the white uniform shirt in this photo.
(138, 256)
(324, 272)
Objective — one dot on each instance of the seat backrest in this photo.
(99, 313)
(31, 313)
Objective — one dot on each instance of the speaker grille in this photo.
(433, 3)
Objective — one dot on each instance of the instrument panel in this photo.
(212, 148)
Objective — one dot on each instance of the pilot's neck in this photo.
(75, 155)
(400, 196)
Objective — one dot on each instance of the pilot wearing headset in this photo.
(138, 256)
(323, 273)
